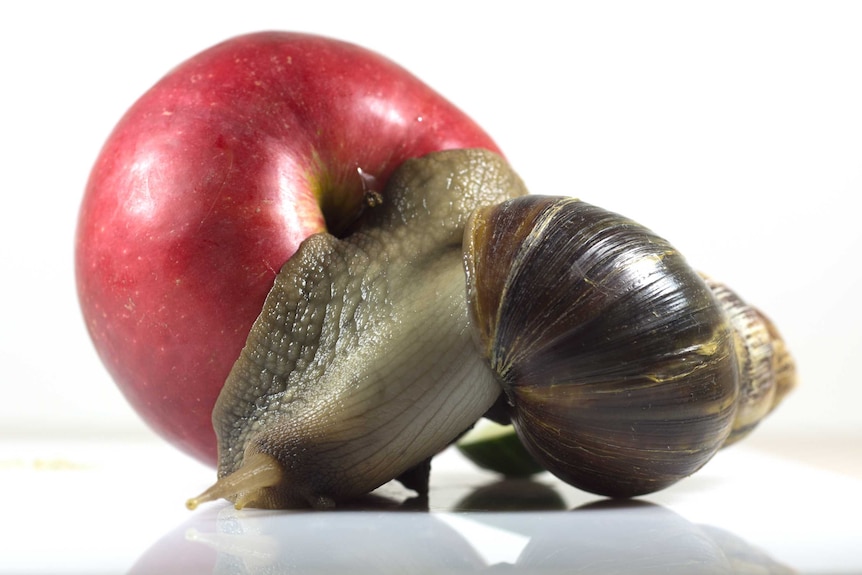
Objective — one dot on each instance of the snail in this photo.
(461, 295)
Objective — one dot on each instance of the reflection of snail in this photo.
(255, 543)
(616, 361)
(627, 537)
(636, 537)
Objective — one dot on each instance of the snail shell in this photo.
(618, 363)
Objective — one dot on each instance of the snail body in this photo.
(617, 362)
(360, 366)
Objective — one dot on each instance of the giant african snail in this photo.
(622, 369)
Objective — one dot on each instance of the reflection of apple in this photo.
(209, 183)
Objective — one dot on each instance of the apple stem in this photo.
(245, 485)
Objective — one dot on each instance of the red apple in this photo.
(207, 186)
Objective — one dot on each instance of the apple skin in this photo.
(209, 183)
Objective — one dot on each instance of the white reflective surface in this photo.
(117, 507)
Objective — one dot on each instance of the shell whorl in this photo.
(767, 371)
(617, 362)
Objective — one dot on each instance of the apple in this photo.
(209, 183)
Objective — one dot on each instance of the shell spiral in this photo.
(767, 371)
(615, 357)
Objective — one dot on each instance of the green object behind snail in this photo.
(498, 448)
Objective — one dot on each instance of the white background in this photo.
(734, 129)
